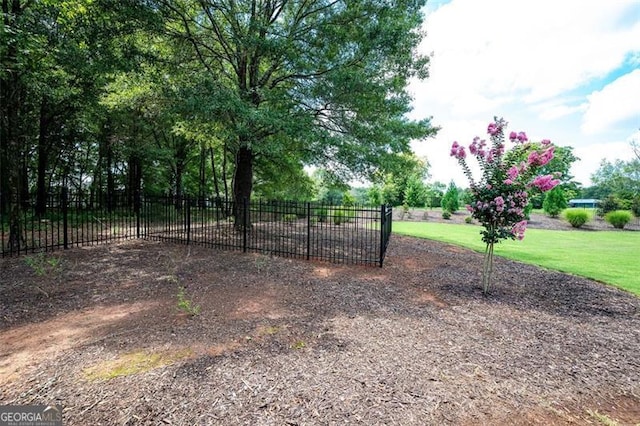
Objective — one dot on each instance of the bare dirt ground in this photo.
(278, 341)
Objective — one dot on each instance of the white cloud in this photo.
(533, 62)
(525, 50)
(591, 156)
(617, 101)
(557, 108)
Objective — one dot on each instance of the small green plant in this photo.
(468, 219)
(446, 214)
(602, 418)
(313, 220)
(43, 264)
(609, 204)
(322, 215)
(405, 213)
(577, 217)
(185, 304)
(338, 216)
(350, 214)
(618, 218)
(289, 218)
(299, 345)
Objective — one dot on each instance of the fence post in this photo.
(64, 199)
(136, 207)
(383, 217)
(245, 223)
(308, 230)
(187, 213)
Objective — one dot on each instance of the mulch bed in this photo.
(283, 341)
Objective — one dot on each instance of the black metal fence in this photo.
(303, 230)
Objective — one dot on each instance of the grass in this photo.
(134, 363)
(602, 418)
(606, 256)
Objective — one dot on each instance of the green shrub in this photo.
(468, 219)
(635, 207)
(289, 217)
(618, 218)
(338, 216)
(607, 205)
(350, 214)
(446, 214)
(450, 201)
(554, 202)
(577, 217)
(322, 215)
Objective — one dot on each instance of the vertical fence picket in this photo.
(187, 209)
(245, 223)
(308, 230)
(65, 217)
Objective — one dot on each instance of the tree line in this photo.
(211, 98)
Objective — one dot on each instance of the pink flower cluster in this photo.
(518, 229)
(520, 137)
(540, 159)
(545, 183)
(514, 204)
(495, 128)
(458, 151)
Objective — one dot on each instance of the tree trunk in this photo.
(242, 185)
(14, 162)
(11, 92)
(43, 159)
(178, 183)
(202, 176)
(135, 180)
(111, 184)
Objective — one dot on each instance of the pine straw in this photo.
(281, 341)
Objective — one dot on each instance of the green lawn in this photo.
(607, 256)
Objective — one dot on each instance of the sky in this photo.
(564, 70)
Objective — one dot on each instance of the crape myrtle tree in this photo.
(559, 166)
(501, 194)
(321, 82)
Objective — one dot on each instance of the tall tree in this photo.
(618, 178)
(320, 81)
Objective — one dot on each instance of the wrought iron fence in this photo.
(304, 230)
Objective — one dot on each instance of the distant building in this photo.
(587, 203)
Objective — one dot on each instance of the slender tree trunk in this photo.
(135, 179)
(43, 159)
(202, 175)
(180, 166)
(10, 105)
(14, 162)
(111, 181)
(25, 196)
(178, 183)
(220, 207)
(488, 269)
(225, 152)
(242, 185)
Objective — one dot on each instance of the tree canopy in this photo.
(220, 98)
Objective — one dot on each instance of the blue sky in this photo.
(568, 71)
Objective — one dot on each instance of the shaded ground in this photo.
(281, 341)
